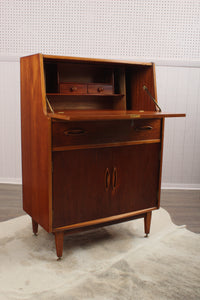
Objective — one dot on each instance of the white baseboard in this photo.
(11, 180)
(180, 186)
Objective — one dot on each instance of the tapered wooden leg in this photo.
(59, 237)
(35, 227)
(147, 223)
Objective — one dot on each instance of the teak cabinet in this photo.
(92, 141)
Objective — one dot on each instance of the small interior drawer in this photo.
(83, 133)
(98, 88)
(73, 88)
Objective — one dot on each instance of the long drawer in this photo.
(85, 133)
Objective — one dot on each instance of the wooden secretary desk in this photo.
(92, 140)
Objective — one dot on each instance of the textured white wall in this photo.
(165, 31)
(179, 91)
(10, 137)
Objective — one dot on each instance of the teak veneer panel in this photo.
(138, 98)
(68, 229)
(83, 133)
(36, 143)
(81, 194)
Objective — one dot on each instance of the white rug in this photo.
(114, 262)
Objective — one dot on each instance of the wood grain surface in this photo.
(36, 143)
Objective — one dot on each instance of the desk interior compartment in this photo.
(85, 85)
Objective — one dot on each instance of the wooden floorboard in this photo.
(10, 201)
(182, 205)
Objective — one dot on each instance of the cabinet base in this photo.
(59, 235)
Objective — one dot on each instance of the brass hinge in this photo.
(133, 116)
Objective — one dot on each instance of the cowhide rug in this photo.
(114, 262)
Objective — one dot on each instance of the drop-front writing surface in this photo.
(92, 143)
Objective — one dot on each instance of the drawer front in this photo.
(100, 89)
(85, 133)
(73, 88)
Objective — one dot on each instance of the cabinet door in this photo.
(80, 186)
(136, 177)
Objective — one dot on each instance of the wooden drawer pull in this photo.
(75, 132)
(100, 89)
(73, 89)
(144, 128)
(114, 179)
(107, 179)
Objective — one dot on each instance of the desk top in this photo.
(93, 115)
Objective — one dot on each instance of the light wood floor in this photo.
(182, 205)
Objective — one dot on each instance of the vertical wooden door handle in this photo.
(114, 179)
(107, 179)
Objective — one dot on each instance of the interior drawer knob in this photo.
(73, 89)
(100, 89)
